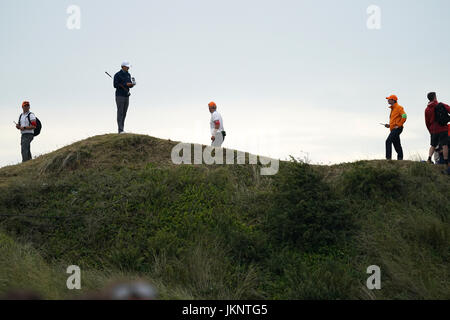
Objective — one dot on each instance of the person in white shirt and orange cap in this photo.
(27, 124)
(217, 130)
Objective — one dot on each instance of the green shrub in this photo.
(306, 213)
(366, 181)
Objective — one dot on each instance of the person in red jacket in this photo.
(439, 133)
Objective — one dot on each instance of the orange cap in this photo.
(212, 104)
(25, 103)
(393, 97)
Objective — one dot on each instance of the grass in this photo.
(116, 206)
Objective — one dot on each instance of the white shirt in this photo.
(215, 116)
(25, 123)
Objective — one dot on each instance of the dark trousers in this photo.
(122, 108)
(394, 139)
(25, 144)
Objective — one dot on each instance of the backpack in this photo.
(441, 115)
(37, 130)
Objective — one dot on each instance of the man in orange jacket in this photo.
(397, 120)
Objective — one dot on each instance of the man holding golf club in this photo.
(123, 82)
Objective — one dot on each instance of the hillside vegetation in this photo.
(116, 206)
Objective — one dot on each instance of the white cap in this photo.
(125, 64)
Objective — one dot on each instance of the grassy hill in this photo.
(116, 206)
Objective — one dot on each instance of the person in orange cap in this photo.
(217, 131)
(397, 120)
(27, 124)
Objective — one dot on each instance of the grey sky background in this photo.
(301, 78)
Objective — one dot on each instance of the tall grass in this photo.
(117, 207)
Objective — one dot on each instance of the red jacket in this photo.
(432, 125)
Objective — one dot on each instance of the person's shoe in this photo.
(430, 162)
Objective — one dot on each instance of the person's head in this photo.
(431, 96)
(25, 106)
(130, 290)
(125, 66)
(392, 100)
(212, 107)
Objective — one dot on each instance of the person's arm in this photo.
(428, 120)
(216, 128)
(33, 123)
(121, 82)
(116, 81)
(404, 117)
(18, 126)
(447, 107)
(32, 127)
(128, 82)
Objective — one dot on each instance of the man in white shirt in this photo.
(217, 131)
(27, 124)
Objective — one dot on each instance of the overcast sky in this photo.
(301, 78)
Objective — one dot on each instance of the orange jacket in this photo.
(398, 116)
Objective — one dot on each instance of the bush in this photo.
(306, 212)
(367, 182)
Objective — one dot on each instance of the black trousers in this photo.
(394, 139)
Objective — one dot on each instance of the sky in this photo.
(304, 78)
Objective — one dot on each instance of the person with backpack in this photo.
(397, 120)
(436, 120)
(123, 82)
(29, 128)
(217, 131)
